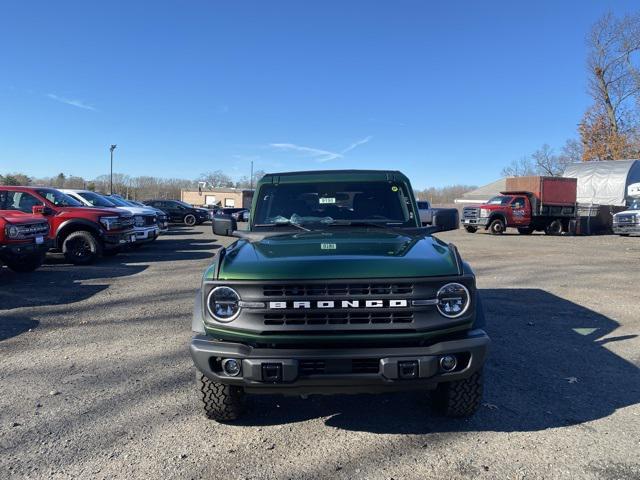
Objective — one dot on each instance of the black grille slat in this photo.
(350, 317)
(337, 366)
(337, 290)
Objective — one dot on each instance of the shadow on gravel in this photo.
(59, 283)
(16, 326)
(548, 368)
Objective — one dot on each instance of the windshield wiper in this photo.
(282, 224)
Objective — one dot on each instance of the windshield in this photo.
(500, 200)
(96, 200)
(184, 204)
(118, 201)
(635, 204)
(58, 198)
(383, 202)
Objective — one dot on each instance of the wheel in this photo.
(460, 398)
(25, 264)
(223, 403)
(554, 228)
(471, 229)
(81, 248)
(190, 220)
(497, 227)
(525, 230)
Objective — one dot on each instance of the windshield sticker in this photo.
(394, 189)
(327, 200)
(327, 246)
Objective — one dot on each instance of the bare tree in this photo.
(609, 128)
(547, 163)
(217, 179)
(519, 168)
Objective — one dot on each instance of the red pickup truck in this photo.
(529, 204)
(81, 233)
(24, 240)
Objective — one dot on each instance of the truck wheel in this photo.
(497, 227)
(554, 228)
(525, 230)
(221, 402)
(460, 398)
(26, 264)
(471, 229)
(190, 220)
(81, 248)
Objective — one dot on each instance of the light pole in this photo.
(111, 149)
(251, 178)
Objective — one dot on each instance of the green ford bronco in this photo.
(336, 288)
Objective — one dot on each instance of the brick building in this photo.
(221, 197)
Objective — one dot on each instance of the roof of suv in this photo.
(334, 176)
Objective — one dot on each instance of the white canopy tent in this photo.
(604, 183)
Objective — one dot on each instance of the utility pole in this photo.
(251, 178)
(111, 149)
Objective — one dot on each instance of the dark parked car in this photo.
(180, 212)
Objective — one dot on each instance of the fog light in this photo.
(231, 367)
(448, 363)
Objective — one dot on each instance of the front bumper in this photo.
(22, 250)
(474, 222)
(118, 239)
(328, 371)
(146, 234)
(626, 228)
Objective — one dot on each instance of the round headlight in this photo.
(13, 231)
(453, 300)
(223, 304)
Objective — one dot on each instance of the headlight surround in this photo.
(485, 212)
(11, 231)
(453, 300)
(223, 304)
(110, 223)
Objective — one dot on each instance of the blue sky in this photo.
(447, 92)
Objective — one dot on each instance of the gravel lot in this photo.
(96, 379)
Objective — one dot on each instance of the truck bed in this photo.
(557, 191)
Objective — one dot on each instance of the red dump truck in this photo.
(530, 204)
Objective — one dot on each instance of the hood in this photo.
(17, 217)
(102, 211)
(137, 210)
(331, 255)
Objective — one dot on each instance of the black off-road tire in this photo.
(91, 248)
(554, 228)
(460, 398)
(471, 229)
(190, 220)
(525, 230)
(497, 227)
(26, 264)
(223, 403)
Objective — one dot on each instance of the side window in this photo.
(518, 203)
(21, 201)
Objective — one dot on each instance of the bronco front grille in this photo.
(33, 230)
(330, 290)
(339, 318)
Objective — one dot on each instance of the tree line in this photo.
(136, 188)
(610, 126)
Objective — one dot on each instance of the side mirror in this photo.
(41, 210)
(224, 225)
(445, 219)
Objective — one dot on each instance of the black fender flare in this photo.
(496, 216)
(73, 225)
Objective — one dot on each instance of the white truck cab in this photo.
(628, 222)
(146, 224)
